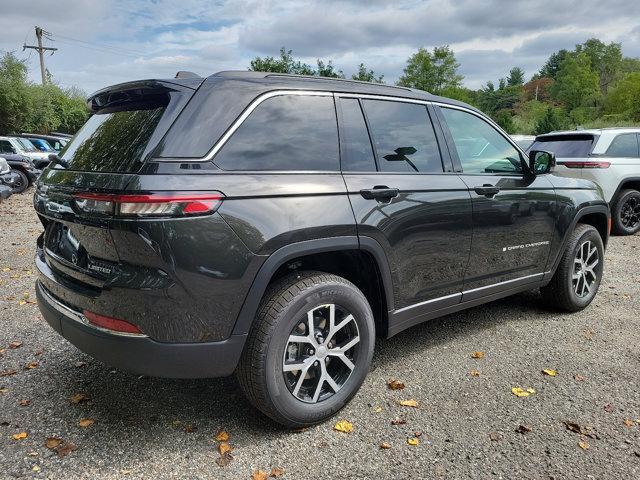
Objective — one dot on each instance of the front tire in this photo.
(578, 276)
(22, 184)
(626, 213)
(309, 349)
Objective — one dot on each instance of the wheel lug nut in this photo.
(311, 351)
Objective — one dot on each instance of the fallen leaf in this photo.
(24, 402)
(222, 436)
(549, 372)
(578, 378)
(40, 351)
(224, 460)
(276, 472)
(7, 372)
(14, 345)
(20, 436)
(474, 373)
(259, 475)
(22, 302)
(394, 384)
(417, 434)
(413, 441)
(33, 454)
(3, 390)
(523, 429)
(575, 428)
(583, 445)
(53, 442)
(377, 409)
(80, 364)
(521, 392)
(35, 468)
(385, 446)
(627, 422)
(86, 422)
(609, 408)
(477, 355)
(224, 447)
(65, 449)
(398, 421)
(31, 365)
(80, 398)
(495, 436)
(343, 426)
(409, 403)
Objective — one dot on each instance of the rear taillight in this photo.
(109, 323)
(149, 205)
(585, 164)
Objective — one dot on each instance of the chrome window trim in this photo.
(252, 106)
(320, 93)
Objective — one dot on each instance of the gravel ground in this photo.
(157, 428)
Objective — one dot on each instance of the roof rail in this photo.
(314, 77)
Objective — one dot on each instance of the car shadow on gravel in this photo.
(125, 404)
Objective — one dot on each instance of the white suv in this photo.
(611, 158)
(24, 147)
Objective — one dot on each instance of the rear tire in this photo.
(22, 184)
(578, 276)
(626, 213)
(282, 338)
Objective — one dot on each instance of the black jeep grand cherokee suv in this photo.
(273, 225)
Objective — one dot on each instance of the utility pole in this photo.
(41, 51)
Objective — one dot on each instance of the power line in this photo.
(41, 50)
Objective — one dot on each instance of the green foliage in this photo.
(516, 77)
(551, 67)
(432, 71)
(287, 64)
(365, 75)
(527, 116)
(606, 60)
(624, 98)
(576, 82)
(505, 120)
(27, 107)
(549, 122)
(328, 70)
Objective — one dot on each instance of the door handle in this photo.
(379, 192)
(487, 190)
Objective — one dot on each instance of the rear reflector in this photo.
(149, 205)
(111, 323)
(585, 164)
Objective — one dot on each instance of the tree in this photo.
(548, 123)
(551, 67)
(328, 70)
(576, 82)
(516, 77)
(284, 64)
(538, 89)
(606, 60)
(365, 75)
(433, 72)
(624, 98)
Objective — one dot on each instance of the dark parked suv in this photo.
(273, 225)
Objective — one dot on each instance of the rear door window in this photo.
(286, 132)
(403, 136)
(565, 146)
(357, 152)
(624, 145)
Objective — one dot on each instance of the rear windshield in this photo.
(565, 146)
(123, 130)
(112, 142)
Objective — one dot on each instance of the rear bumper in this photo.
(140, 354)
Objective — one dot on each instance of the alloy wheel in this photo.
(630, 213)
(321, 353)
(585, 275)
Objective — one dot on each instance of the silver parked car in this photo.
(611, 158)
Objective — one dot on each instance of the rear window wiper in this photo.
(56, 160)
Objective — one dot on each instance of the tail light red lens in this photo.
(585, 164)
(149, 205)
(109, 323)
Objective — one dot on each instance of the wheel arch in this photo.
(598, 216)
(628, 183)
(358, 260)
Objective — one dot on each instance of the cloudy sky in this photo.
(105, 42)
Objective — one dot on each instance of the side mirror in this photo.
(541, 162)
